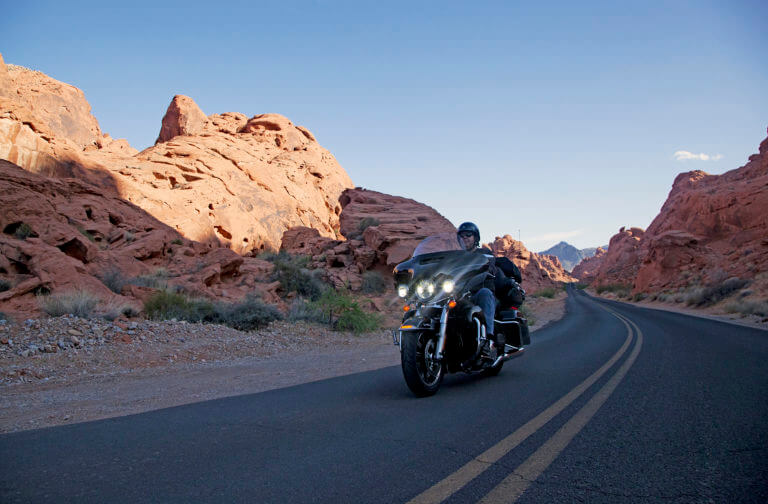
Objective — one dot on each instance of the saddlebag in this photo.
(515, 328)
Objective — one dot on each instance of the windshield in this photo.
(437, 243)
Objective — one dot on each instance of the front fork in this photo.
(443, 330)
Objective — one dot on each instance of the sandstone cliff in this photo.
(538, 271)
(242, 180)
(711, 227)
(66, 235)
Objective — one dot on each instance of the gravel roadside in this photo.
(64, 370)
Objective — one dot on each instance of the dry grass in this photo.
(76, 302)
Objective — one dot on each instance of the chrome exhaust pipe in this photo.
(508, 356)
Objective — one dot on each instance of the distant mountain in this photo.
(569, 255)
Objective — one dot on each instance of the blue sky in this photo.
(558, 120)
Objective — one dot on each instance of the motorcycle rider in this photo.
(468, 235)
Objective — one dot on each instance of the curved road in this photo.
(613, 403)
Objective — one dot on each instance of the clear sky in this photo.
(548, 120)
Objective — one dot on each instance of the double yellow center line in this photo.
(513, 486)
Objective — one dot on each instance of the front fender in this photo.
(416, 323)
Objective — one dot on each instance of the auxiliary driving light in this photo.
(448, 286)
(402, 290)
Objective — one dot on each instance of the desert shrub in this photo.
(547, 293)
(177, 241)
(712, 293)
(76, 302)
(301, 309)
(358, 321)
(374, 282)
(114, 310)
(164, 305)
(23, 231)
(4, 285)
(366, 223)
(526, 314)
(246, 315)
(640, 296)
(87, 234)
(3, 316)
(292, 273)
(621, 290)
(342, 312)
(158, 279)
(113, 278)
(748, 307)
(129, 237)
(249, 314)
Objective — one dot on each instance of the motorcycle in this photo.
(442, 330)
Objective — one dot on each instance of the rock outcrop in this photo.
(587, 269)
(393, 225)
(242, 181)
(711, 227)
(538, 271)
(620, 263)
(381, 231)
(59, 236)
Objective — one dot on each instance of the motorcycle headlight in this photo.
(425, 289)
(448, 285)
(402, 290)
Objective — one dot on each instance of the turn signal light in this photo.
(451, 304)
(406, 308)
(406, 327)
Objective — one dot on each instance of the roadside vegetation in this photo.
(310, 299)
(549, 292)
(374, 283)
(74, 302)
(294, 275)
(528, 316)
(748, 307)
(620, 290)
(246, 315)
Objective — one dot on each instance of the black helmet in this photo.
(469, 227)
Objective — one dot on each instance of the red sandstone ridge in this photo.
(66, 235)
(240, 180)
(394, 225)
(620, 263)
(587, 269)
(538, 271)
(381, 231)
(711, 227)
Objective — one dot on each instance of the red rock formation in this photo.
(60, 236)
(183, 117)
(587, 268)
(620, 263)
(243, 181)
(538, 271)
(711, 227)
(395, 225)
(382, 231)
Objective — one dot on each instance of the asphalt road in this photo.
(611, 404)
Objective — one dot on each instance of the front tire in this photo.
(422, 372)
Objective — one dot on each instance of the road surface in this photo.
(613, 403)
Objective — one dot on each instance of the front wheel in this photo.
(422, 372)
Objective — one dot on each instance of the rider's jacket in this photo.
(503, 278)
